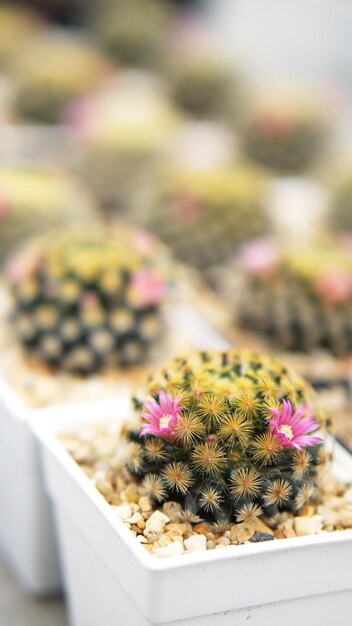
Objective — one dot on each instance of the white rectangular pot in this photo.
(27, 534)
(112, 580)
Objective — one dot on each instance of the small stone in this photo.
(145, 504)
(141, 539)
(173, 549)
(219, 545)
(130, 494)
(135, 518)
(260, 527)
(233, 533)
(225, 541)
(176, 529)
(210, 545)
(260, 536)
(346, 522)
(155, 526)
(172, 510)
(201, 529)
(244, 532)
(196, 543)
(308, 511)
(123, 511)
(287, 528)
(308, 525)
(330, 516)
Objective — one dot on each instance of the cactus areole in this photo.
(232, 435)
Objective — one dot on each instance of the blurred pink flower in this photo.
(259, 257)
(22, 266)
(90, 300)
(292, 429)
(335, 287)
(79, 118)
(161, 416)
(147, 288)
(272, 125)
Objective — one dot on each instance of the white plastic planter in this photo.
(112, 581)
(27, 534)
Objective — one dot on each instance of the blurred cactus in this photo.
(34, 200)
(131, 31)
(204, 215)
(17, 25)
(285, 136)
(51, 71)
(86, 302)
(301, 299)
(123, 133)
(341, 205)
(228, 435)
(204, 87)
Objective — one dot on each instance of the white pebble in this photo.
(123, 511)
(155, 526)
(308, 525)
(196, 543)
(173, 549)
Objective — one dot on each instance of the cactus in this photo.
(284, 136)
(124, 132)
(301, 298)
(204, 87)
(87, 302)
(228, 435)
(45, 89)
(131, 31)
(204, 215)
(341, 204)
(32, 200)
(17, 24)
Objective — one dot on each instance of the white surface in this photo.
(111, 578)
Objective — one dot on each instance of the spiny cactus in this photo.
(51, 71)
(203, 215)
(301, 298)
(32, 200)
(287, 137)
(85, 302)
(131, 31)
(123, 133)
(228, 435)
(204, 87)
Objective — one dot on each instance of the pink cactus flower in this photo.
(335, 287)
(292, 429)
(147, 288)
(259, 257)
(90, 300)
(161, 416)
(273, 125)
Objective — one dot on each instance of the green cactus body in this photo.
(204, 87)
(204, 215)
(84, 303)
(45, 89)
(210, 443)
(304, 302)
(284, 137)
(32, 200)
(131, 31)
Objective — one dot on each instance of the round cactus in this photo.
(71, 69)
(204, 214)
(123, 134)
(302, 298)
(32, 200)
(228, 435)
(131, 31)
(285, 136)
(204, 87)
(82, 303)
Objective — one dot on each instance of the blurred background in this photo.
(222, 127)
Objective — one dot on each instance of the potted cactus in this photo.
(33, 199)
(226, 450)
(123, 133)
(203, 215)
(44, 90)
